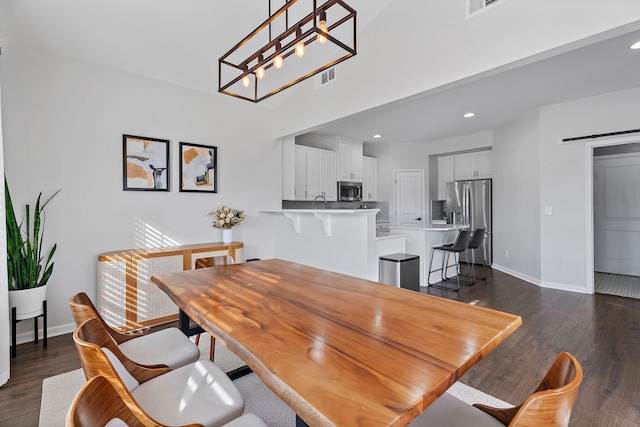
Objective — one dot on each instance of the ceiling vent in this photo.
(475, 6)
(325, 77)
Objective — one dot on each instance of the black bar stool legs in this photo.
(477, 242)
(460, 245)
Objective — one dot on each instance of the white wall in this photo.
(416, 46)
(563, 180)
(63, 126)
(516, 197)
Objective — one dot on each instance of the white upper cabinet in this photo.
(476, 165)
(300, 173)
(349, 158)
(314, 174)
(330, 182)
(369, 179)
(445, 174)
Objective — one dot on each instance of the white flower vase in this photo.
(227, 235)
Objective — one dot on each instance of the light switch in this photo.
(549, 210)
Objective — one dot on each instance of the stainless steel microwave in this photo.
(349, 191)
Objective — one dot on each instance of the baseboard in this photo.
(27, 336)
(4, 377)
(564, 287)
(540, 283)
(517, 274)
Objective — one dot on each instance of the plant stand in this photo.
(14, 322)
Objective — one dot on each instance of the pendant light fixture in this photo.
(254, 68)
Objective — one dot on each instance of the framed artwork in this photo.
(198, 168)
(145, 163)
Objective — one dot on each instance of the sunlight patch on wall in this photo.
(148, 236)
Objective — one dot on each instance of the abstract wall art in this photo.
(145, 163)
(198, 168)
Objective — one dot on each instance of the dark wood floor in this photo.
(602, 331)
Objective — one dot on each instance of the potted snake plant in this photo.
(28, 269)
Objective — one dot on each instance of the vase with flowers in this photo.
(226, 218)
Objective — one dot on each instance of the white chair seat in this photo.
(449, 411)
(166, 347)
(199, 393)
(247, 420)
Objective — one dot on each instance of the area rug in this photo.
(617, 284)
(59, 391)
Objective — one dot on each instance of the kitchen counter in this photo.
(326, 211)
(434, 227)
(387, 235)
(340, 240)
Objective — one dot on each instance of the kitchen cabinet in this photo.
(329, 180)
(349, 158)
(369, 179)
(314, 173)
(476, 165)
(445, 174)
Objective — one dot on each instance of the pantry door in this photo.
(616, 214)
(409, 198)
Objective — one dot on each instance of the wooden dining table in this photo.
(339, 350)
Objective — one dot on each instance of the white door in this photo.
(616, 214)
(409, 198)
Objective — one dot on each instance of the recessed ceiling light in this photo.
(376, 136)
(467, 115)
(635, 45)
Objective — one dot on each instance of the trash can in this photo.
(400, 270)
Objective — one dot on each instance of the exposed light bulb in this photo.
(300, 44)
(246, 81)
(260, 70)
(323, 27)
(322, 39)
(278, 61)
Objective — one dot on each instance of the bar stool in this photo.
(460, 245)
(477, 242)
(213, 261)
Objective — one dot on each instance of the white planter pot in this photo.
(227, 235)
(28, 302)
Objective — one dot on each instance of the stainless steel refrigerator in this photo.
(469, 202)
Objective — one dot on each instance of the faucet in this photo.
(320, 197)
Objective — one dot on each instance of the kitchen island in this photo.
(419, 241)
(340, 240)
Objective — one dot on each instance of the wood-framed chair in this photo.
(98, 403)
(208, 262)
(168, 346)
(549, 406)
(198, 393)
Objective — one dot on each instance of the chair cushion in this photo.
(116, 422)
(167, 347)
(129, 381)
(247, 420)
(449, 411)
(199, 393)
